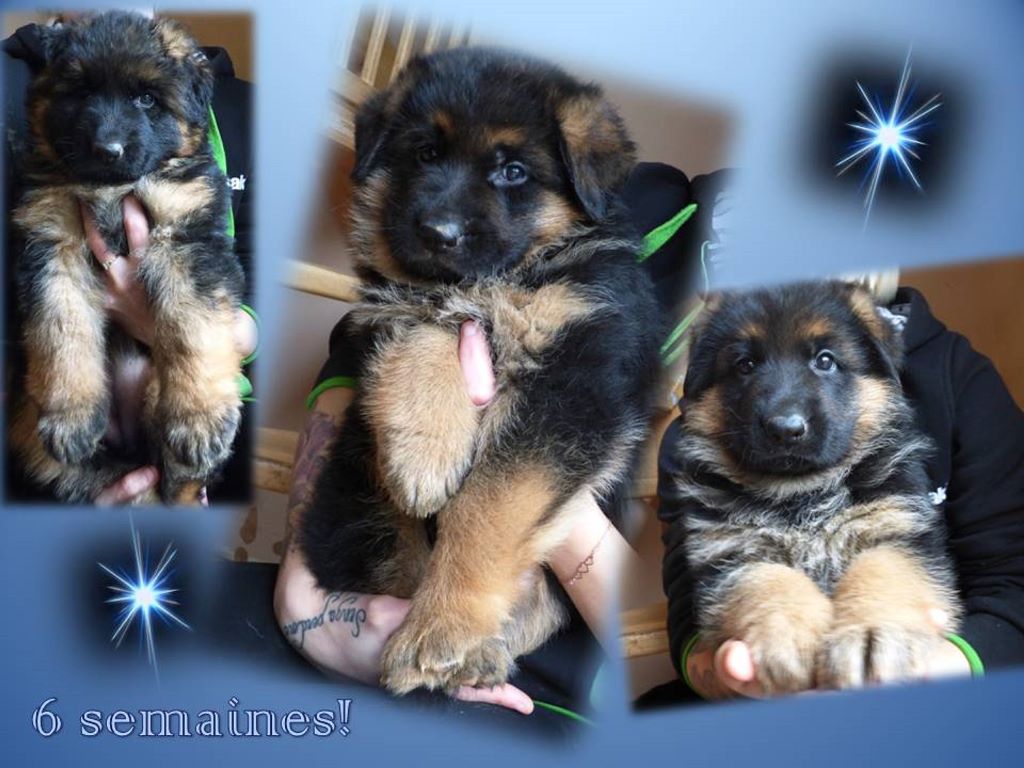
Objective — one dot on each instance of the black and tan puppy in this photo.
(806, 520)
(485, 189)
(122, 108)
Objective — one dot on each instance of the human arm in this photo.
(342, 642)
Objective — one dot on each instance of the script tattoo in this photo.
(310, 456)
(338, 607)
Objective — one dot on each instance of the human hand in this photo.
(345, 632)
(475, 360)
(126, 300)
(133, 484)
(728, 671)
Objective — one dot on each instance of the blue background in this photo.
(759, 61)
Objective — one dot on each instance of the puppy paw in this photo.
(423, 490)
(442, 655)
(73, 435)
(784, 654)
(201, 440)
(782, 616)
(861, 651)
(883, 630)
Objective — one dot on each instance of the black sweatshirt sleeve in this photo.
(985, 506)
(348, 349)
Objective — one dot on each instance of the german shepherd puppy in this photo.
(485, 189)
(122, 107)
(807, 524)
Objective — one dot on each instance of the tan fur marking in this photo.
(874, 398)
(862, 525)
(423, 421)
(64, 335)
(444, 123)
(533, 319)
(175, 38)
(782, 615)
(168, 202)
(706, 416)
(586, 125)
(51, 213)
(815, 328)
(36, 122)
(505, 135)
(372, 250)
(863, 307)
(752, 331)
(399, 576)
(554, 219)
(197, 361)
(885, 585)
(487, 532)
(882, 630)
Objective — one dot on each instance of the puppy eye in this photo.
(825, 361)
(512, 174)
(745, 366)
(144, 100)
(427, 154)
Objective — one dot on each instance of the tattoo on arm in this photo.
(338, 607)
(310, 456)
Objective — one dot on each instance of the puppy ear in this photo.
(596, 149)
(198, 78)
(700, 368)
(885, 341)
(372, 126)
(54, 40)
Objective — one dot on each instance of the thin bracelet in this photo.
(588, 562)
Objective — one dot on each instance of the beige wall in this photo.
(982, 301)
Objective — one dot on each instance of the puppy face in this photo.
(783, 378)
(120, 95)
(474, 160)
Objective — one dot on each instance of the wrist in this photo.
(589, 528)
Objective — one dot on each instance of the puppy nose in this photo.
(441, 234)
(108, 151)
(790, 428)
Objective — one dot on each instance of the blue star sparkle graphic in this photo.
(892, 133)
(144, 596)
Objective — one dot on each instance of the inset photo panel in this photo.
(839, 492)
(483, 337)
(130, 328)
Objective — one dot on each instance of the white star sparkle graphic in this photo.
(144, 596)
(893, 134)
